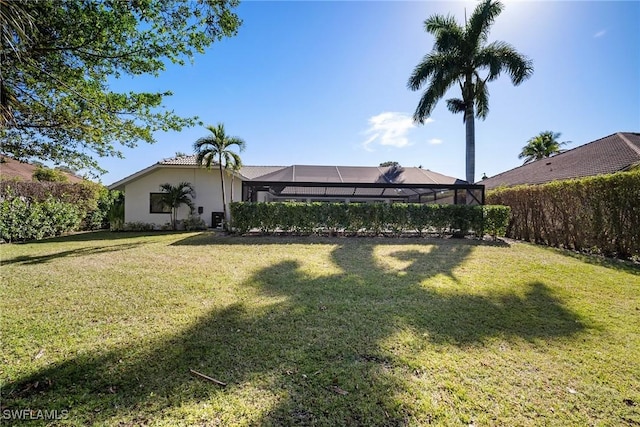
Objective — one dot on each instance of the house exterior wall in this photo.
(206, 184)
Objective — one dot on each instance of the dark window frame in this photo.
(164, 209)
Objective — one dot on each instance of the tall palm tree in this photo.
(543, 145)
(215, 149)
(459, 55)
(176, 196)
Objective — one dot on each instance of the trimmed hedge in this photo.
(21, 219)
(77, 206)
(369, 218)
(599, 214)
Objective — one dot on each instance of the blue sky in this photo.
(325, 83)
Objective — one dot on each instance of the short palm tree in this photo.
(459, 55)
(176, 196)
(235, 165)
(541, 146)
(214, 149)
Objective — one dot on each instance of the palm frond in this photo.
(438, 86)
(501, 56)
(481, 20)
(448, 34)
(456, 105)
(437, 68)
(233, 161)
(234, 140)
(421, 74)
(481, 93)
(176, 195)
(541, 146)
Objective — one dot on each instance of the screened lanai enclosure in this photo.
(353, 184)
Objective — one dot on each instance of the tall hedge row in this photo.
(369, 218)
(22, 219)
(599, 214)
(34, 210)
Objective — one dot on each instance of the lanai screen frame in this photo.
(250, 189)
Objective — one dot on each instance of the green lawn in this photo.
(317, 331)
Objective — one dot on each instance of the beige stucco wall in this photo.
(205, 183)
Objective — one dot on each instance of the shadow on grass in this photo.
(102, 235)
(625, 266)
(314, 353)
(216, 238)
(40, 259)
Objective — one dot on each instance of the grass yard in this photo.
(317, 331)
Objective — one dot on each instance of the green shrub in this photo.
(43, 173)
(599, 214)
(115, 215)
(93, 200)
(22, 219)
(496, 219)
(194, 223)
(138, 226)
(369, 218)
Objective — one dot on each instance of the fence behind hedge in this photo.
(369, 218)
(599, 214)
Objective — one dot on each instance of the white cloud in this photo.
(435, 141)
(599, 34)
(390, 129)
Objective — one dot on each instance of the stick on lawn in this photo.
(206, 377)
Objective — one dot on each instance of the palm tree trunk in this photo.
(233, 175)
(468, 96)
(471, 146)
(224, 200)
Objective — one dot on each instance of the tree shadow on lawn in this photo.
(103, 235)
(311, 352)
(207, 238)
(625, 266)
(79, 252)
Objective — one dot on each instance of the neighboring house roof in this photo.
(11, 169)
(614, 153)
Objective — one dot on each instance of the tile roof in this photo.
(252, 172)
(249, 172)
(180, 161)
(613, 153)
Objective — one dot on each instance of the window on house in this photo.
(156, 205)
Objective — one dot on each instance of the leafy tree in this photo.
(543, 145)
(391, 164)
(59, 57)
(214, 149)
(176, 196)
(43, 173)
(459, 55)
